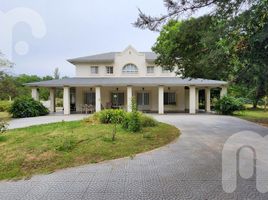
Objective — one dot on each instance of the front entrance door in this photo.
(117, 99)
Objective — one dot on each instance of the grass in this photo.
(255, 115)
(45, 148)
(4, 116)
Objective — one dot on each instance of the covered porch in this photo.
(155, 98)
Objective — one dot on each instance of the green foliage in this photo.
(194, 48)
(66, 145)
(109, 116)
(134, 122)
(228, 105)
(147, 121)
(13, 86)
(224, 45)
(5, 106)
(27, 107)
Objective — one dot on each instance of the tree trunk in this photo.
(255, 105)
(265, 103)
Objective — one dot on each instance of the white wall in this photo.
(129, 55)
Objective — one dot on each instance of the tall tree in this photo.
(56, 73)
(230, 42)
(179, 8)
(194, 48)
(4, 62)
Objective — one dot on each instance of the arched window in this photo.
(130, 69)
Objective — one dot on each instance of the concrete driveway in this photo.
(52, 118)
(189, 168)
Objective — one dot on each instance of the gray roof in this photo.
(123, 81)
(108, 57)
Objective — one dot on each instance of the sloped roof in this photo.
(124, 81)
(108, 57)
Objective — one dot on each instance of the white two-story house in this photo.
(112, 80)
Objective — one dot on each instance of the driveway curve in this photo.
(189, 168)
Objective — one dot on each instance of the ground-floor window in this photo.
(169, 98)
(89, 98)
(143, 99)
(117, 99)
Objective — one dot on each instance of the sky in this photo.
(69, 29)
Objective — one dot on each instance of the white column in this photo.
(160, 100)
(197, 99)
(66, 100)
(192, 100)
(35, 93)
(129, 98)
(52, 100)
(223, 91)
(98, 99)
(207, 99)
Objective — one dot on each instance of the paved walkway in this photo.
(189, 168)
(25, 122)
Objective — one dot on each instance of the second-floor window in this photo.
(94, 69)
(130, 69)
(109, 69)
(150, 69)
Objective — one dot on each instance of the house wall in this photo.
(128, 56)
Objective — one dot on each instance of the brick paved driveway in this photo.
(189, 168)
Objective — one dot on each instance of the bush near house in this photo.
(133, 121)
(228, 105)
(5, 106)
(27, 107)
(107, 116)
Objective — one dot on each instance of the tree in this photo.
(178, 8)
(5, 62)
(251, 30)
(56, 73)
(8, 86)
(194, 48)
(229, 43)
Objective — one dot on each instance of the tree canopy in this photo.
(230, 42)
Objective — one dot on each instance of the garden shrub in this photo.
(134, 123)
(27, 107)
(109, 115)
(228, 105)
(5, 106)
(147, 121)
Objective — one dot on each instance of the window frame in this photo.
(96, 69)
(90, 98)
(152, 68)
(130, 71)
(109, 69)
(145, 99)
(170, 100)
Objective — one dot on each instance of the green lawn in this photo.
(45, 148)
(255, 115)
(4, 116)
